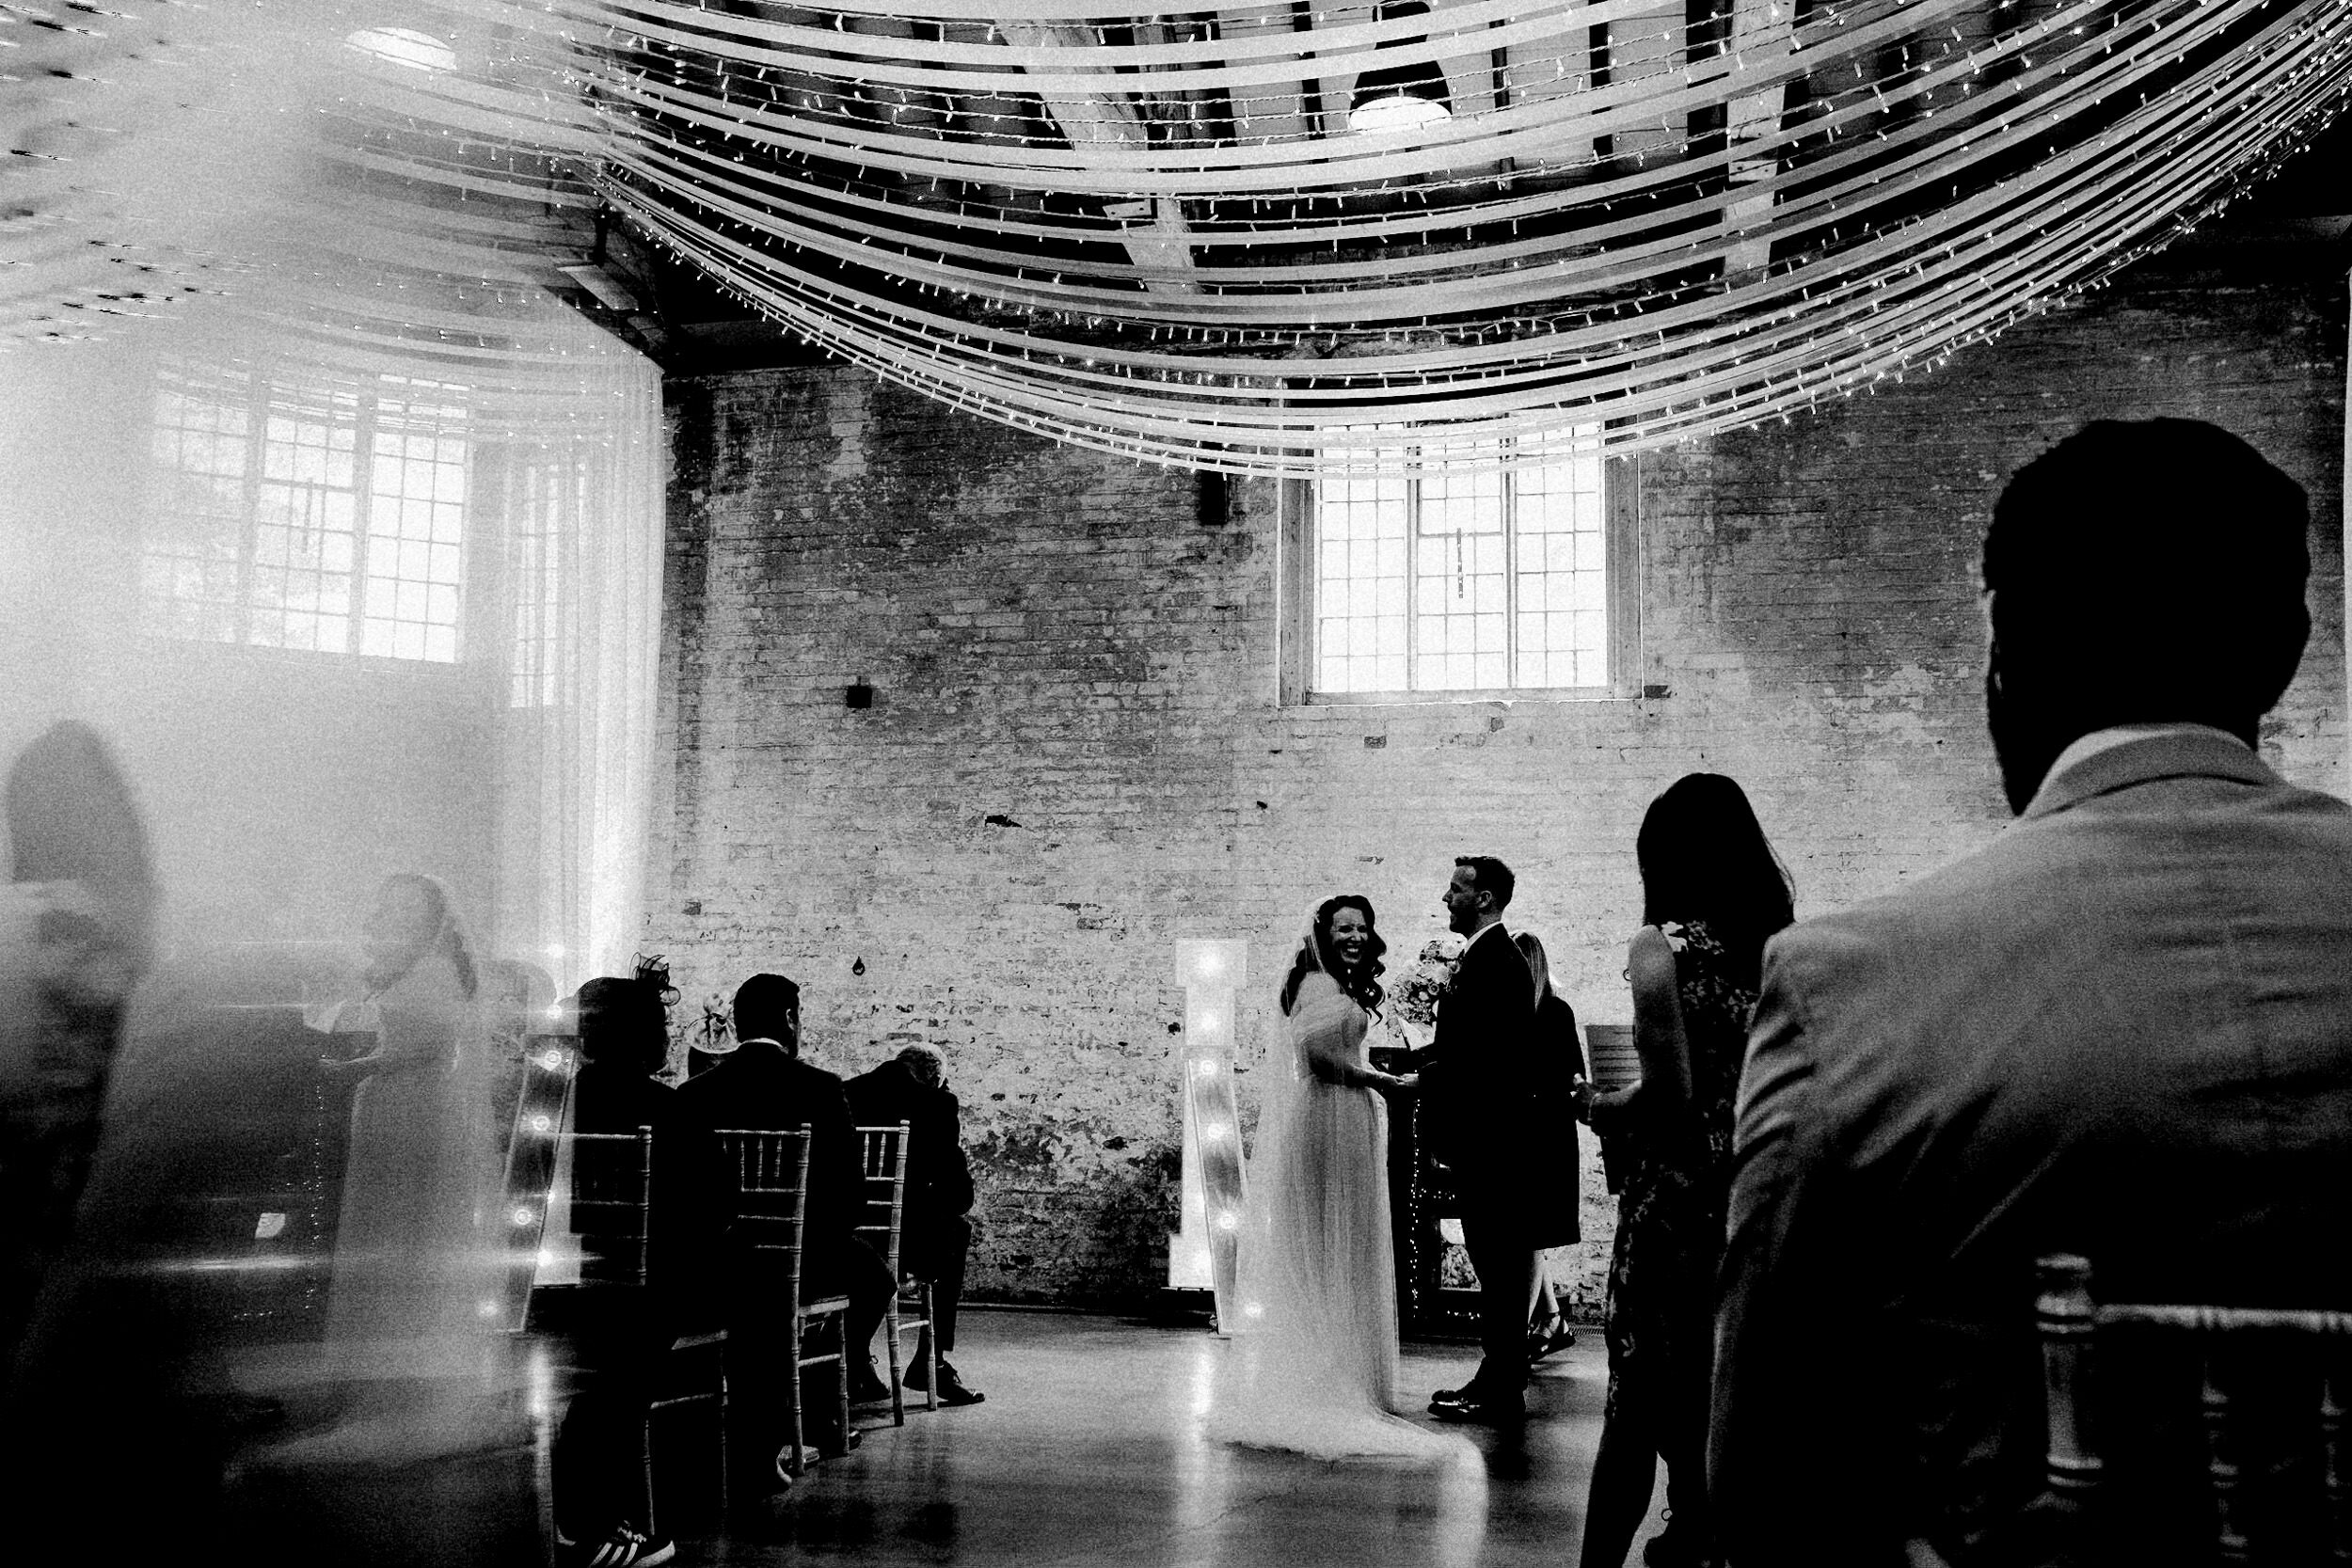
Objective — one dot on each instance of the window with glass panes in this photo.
(327, 519)
(1426, 580)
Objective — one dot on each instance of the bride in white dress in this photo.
(1313, 1359)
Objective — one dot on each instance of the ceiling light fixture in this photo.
(1392, 98)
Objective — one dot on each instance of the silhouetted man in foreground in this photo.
(2124, 1029)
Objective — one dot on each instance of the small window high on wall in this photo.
(1422, 583)
(327, 518)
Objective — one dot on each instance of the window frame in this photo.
(1299, 575)
(266, 388)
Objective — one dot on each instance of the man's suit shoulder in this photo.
(1490, 958)
(1970, 955)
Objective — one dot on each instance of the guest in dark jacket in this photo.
(763, 1085)
(624, 1042)
(935, 1234)
(603, 1504)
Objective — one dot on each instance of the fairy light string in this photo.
(1159, 236)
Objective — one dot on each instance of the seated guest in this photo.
(764, 1085)
(934, 1235)
(2121, 1029)
(603, 1506)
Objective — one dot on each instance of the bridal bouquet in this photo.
(1413, 994)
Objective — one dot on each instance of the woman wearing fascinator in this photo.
(1313, 1360)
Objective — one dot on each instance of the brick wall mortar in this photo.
(1075, 754)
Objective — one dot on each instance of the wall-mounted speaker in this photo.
(1212, 500)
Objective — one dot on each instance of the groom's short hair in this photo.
(1492, 876)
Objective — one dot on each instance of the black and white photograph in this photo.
(1333, 784)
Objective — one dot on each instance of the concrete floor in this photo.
(1088, 1452)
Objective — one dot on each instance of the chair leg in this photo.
(842, 1372)
(645, 1467)
(792, 1397)
(931, 1350)
(890, 1333)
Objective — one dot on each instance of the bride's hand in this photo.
(1405, 1083)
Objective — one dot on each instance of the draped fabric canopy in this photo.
(1177, 236)
(383, 445)
(1187, 236)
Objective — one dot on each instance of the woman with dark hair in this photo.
(414, 1269)
(1712, 892)
(1314, 1354)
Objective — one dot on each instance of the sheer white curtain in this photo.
(582, 584)
(332, 509)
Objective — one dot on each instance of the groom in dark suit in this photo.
(1478, 1090)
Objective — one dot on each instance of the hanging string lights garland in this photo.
(365, 200)
(1185, 238)
(1168, 236)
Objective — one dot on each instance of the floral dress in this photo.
(1670, 1219)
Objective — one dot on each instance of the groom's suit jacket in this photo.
(1480, 1080)
(2123, 1029)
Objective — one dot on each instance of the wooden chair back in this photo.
(770, 1173)
(612, 1205)
(882, 1151)
(612, 1213)
(2247, 1426)
(883, 1158)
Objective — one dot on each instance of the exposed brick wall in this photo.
(1076, 753)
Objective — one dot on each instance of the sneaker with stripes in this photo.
(626, 1548)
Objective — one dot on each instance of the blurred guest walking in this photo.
(1712, 891)
(76, 923)
(77, 926)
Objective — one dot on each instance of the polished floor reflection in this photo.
(1088, 1451)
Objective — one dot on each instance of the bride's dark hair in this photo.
(1362, 982)
(447, 939)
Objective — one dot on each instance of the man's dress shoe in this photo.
(1480, 1406)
